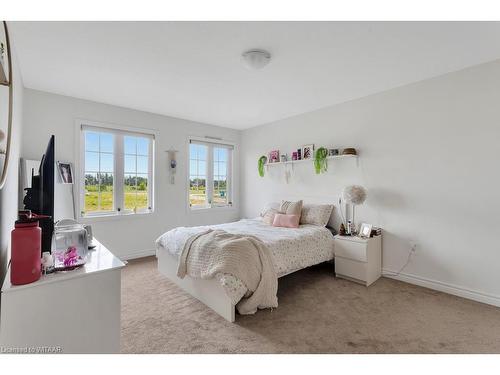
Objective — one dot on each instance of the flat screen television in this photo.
(47, 179)
(40, 197)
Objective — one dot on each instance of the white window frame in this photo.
(119, 132)
(211, 143)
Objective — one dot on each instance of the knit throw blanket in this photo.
(215, 251)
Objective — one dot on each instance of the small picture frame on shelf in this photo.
(365, 230)
(274, 156)
(307, 152)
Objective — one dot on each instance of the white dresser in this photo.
(358, 259)
(68, 312)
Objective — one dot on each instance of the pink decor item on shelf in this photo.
(274, 156)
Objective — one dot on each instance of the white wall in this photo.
(46, 114)
(429, 157)
(9, 193)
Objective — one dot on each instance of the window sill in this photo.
(112, 217)
(211, 209)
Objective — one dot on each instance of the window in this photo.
(99, 171)
(210, 166)
(219, 194)
(198, 175)
(117, 170)
(136, 158)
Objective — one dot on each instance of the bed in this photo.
(291, 249)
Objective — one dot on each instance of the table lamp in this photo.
(354, 195)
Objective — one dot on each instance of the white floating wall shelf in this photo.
(311, 160)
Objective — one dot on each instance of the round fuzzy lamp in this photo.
(354, 195)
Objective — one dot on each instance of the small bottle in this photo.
(47, 263)
(349, 228)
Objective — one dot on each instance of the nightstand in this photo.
(358, 259)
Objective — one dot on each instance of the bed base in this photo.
(210, 292)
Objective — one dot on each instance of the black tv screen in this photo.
(46, 194)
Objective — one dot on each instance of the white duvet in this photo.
(291, 248)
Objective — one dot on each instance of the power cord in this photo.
(412, 251)
(413, 247)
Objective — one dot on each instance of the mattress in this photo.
(291, 248)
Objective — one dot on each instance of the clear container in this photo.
(69, 246)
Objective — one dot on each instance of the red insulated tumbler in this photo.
(25, 266)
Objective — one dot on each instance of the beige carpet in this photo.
(317, 313)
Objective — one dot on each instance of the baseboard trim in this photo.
(137, 254)
(456, 290)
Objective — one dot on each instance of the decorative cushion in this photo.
(273, 205)
(316, 214)
(290, 208)
(268, 216)
(286, 221)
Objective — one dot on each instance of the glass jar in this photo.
(69, 246)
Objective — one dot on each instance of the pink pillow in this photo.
(286, 221)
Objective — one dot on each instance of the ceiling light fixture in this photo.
(256, 58)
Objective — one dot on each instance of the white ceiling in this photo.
(192, 70)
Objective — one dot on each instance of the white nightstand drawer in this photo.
(351, 250)
(350, 268)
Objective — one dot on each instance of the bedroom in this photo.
(259, 187)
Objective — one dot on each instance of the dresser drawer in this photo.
(351, 250)
(351, 269)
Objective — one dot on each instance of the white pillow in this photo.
(268, 217)
(316, 214)
(290, 208)
(272, 205)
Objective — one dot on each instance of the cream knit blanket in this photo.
(216, 251)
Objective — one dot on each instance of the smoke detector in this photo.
(256, 58)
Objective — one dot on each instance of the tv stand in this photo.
(67, 312)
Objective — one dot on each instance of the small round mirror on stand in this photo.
(5, 101)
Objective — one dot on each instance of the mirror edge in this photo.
(3, 176)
